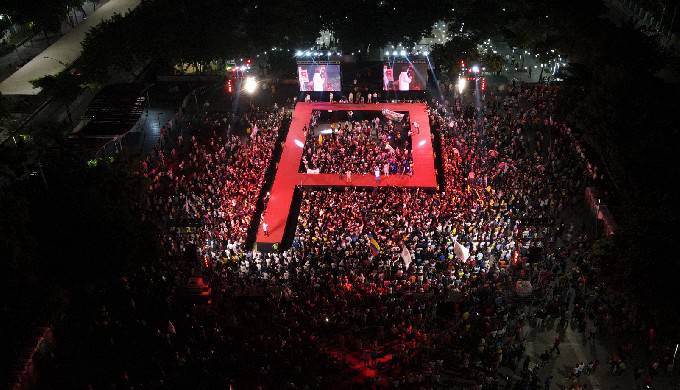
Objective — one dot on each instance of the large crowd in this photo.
(357, 146)
(390, 287)
(213, 186)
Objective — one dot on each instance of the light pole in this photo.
(54, 59)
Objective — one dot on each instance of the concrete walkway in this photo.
(63, 52)
(34, 45)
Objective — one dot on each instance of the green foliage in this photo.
(4, 107)
(43, 15)
(64, 87)
(493, 62)
(449, 55)
(206, 30)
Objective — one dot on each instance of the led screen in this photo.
(319, 78)
(404, 77)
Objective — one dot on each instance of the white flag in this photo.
(406, 255)
(462, 253)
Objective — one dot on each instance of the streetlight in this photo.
(54, 59)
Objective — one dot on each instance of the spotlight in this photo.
(250, 85)
(475, 69)
(298, 53)
(387, 53)
(426, 53)
(394, 53)
(299, 143)
(461, 84)
(403, 53)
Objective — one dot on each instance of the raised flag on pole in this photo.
(406, 255)
(373, 245)
(462, 253)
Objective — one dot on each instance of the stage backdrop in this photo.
(404, 76)
(319, 78)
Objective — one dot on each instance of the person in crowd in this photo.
(420, 285)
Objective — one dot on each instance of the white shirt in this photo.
(318, 82)
(404, 81)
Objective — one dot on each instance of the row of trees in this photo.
(182, 31)
(40, 15)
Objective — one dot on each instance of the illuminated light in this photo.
(403, 53)
(326, 131)
(250, 85)
(307, 53)
(394, 53)
(475, 69)
(461, 84)
(328, 53)
(426, 53)
(387, 53)
(421, 143)
(298, 53)
(299, 143)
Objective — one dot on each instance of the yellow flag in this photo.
(320, 139)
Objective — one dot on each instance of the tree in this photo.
(449, 55)
(64, 87)
(4, 107)
(41, 15)
(493, 62)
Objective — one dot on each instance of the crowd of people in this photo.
(357, 147)
(213, 185)
(381, 288)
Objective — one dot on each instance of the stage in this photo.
(287, 177)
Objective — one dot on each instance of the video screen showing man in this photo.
(410, 77)
(319, 78)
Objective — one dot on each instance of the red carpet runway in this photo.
(287, 175)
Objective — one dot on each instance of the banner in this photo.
(393, 116)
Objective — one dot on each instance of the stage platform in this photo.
(287, 177)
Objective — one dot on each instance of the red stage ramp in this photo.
(288, 178)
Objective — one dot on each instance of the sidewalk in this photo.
(58, 55)
(29, 48)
